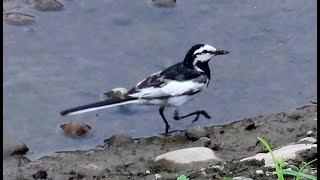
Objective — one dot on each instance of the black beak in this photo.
(220, 52)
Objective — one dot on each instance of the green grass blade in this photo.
(307, 164)
(182, 177)
(304, 166)
(296, 173)
(277, 165)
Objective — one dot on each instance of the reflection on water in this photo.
(71, 57)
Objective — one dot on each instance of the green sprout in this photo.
(279, 166)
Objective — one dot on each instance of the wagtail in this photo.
(171, 87)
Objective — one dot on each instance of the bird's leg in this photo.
(177, 117)
(164, 119)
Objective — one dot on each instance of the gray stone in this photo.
(19, 19)
(117, 93)
(164, 3)
(41, 174)
(308, 140)
(310, 133)
(14, 147)
(47, 5)
(189, 155)
(241, 178)
(259, 171)
(202, 142)
(194, 132)
(285, 153)
(75, 128)
(119, 140)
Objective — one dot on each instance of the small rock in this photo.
(202, 142)
(148, 172)
(119, 140)
(259, 171)
(47, 5)
(87, 170)
(194, 132)
(117, 93)
(241, 178)
(188, 155)
(14, 147)
(40, 175)
(285, 153)
(217, 147)
(75, 128)
(164, 3)
(19, 19)
(310, 133)
(92, 167)
(254, 162)
(251, 127)
(308, 140)
(21, 151)
(157, 176)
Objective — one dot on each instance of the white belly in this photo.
(170, 102)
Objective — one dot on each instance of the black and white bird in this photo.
(171, 87)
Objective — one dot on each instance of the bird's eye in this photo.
(205, 51)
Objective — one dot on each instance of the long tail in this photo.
(99, 105)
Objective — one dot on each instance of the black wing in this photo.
(177, 72)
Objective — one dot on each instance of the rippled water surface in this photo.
(70, 57)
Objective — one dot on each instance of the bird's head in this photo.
(201, 53)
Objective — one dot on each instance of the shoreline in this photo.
(123, 157)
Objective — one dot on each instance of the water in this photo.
(71, 57)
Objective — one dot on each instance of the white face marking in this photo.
(204, 56)
(205, 47)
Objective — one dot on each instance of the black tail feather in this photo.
(95, 105)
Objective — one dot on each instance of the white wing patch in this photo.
(175, 88)
(172, 88)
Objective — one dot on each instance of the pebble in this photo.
(117, 93)
(47, 5)
(164, 3)
(259, 171)
(19, 19)
(310, 133)
(195, 132)
(119, 140)
(203, 142)
(189, 155)
(241, 178)
(75, 128)
(285, 153)
(14, 146)
(157, 176)
(92, 167)
(308, 140)
(40, 175)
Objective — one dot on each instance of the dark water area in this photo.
(70, 57)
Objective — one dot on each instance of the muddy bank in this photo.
(125, 158)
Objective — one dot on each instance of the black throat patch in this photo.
(204, 66)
